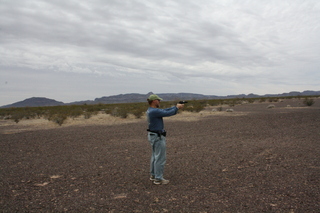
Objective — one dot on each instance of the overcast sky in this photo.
(74, 50)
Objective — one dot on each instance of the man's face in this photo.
(157, 103)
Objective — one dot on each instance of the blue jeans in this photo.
(158, 157)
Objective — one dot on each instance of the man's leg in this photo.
(152, 173)
(152, 138)
(159, 157)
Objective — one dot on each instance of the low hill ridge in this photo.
(136, 97)
(35, 102)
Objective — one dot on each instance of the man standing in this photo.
(157, 137)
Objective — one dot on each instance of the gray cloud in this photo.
(218, 47)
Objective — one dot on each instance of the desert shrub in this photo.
(273, 99)
(58, 118)
(188, 108)
(114, 112)
(251, 100)
(219, 109)
(233, 102)
(107, 110)
(95, 108)
(138, 112)
(121, 112)
(20, 113)
(308, 101)
(87, 115)
(261, 100)
(195, 106)
(73, 113)
(17, 117)
(58, 114)
(138, 109)
(213, 102)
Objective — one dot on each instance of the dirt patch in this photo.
(261, 160)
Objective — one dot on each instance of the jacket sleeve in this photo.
(167, 112)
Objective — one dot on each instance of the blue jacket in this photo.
(155, 115)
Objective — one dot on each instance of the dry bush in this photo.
(308, 101)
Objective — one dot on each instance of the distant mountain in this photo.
(294, 93)
(35, 102)
(135, 97)
(122, 98)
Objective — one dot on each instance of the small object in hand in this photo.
(183, 102)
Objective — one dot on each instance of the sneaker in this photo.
(161, 182)
(152, 178)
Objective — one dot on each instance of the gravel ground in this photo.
(251, 160)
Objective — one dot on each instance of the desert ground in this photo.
(254, 159)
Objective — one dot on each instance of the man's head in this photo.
(154, 100)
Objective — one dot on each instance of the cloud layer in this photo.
(77, 50)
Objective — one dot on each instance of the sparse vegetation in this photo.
(273, 99)
(250, 100)
(59, 114)
(308, 101)
(261, 100)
